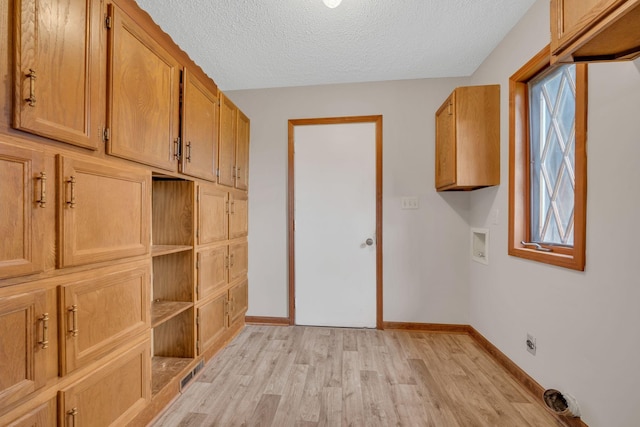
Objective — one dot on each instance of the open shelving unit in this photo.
(172, 301)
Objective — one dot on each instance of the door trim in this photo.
(290, 205)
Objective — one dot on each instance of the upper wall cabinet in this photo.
(233, 163)
(468, 139)
(143, 92)
(199, 129)
(595, 30)
(57, 76)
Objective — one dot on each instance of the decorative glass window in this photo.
(547, 162)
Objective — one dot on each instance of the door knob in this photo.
(369, 241)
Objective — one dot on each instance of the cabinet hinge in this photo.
(107, 22)
(218, 172)
(106, 134)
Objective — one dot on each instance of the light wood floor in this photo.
(302, 376)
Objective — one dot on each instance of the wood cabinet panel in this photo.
(57, 63)
(227, 142)
(213, 218)
(24, 335)
(23, 197)
(173, 206)
(242, 152)
(122, 387)
(212, 321)
(101, 312)
(595, 30)
(238, 260)
(199, 129)
(212, 270)
(43, 415)
(446, 144)
(238, 215)
(239, 301)
(104, 212)
(468, 139)
(143, 93)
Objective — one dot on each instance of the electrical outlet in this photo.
(531, 344)
(410, 203)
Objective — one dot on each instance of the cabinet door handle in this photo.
(42, 202)
(31, 75)
(72, 186)
(234, 172)
(232, 256)
(44, 343)
(449, 109)
(233, 206)
(226, 262)
(226, 207)
(189, 151)
(74, 320)
(73, 412)
(176, 148)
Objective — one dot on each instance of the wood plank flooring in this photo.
(303, 376)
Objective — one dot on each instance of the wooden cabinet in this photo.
(595, 30)
(242, 152)
(468, 139)
(213, 214)
(216, 316)
(111, 395)
(212, 267)
(227, 141)
(199, 129)
(238, 260)
(143, 93)
(23, 198)
(233, 162)
(104, 212)
(58, 70)
(239, 301)
(43, 415)
(101, 310)
(238, 215)
(24, 343)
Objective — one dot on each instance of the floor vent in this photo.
(191, 375)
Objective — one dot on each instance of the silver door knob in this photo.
(369, 241)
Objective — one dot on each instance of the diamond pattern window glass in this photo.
(552, 113)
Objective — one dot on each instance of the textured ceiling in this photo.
(248, 44)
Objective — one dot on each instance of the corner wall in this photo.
(585, 323)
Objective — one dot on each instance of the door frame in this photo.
(291, 205)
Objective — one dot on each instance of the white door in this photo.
(335, 224)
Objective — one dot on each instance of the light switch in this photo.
(410, 203)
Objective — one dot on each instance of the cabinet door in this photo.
(57, 70)
(199, 129)
(23, 197)
(446, 143)
(100, 311)
(227, 142)
(238, 301)
(238, 216)
(143, 94)
(212, 270)
(238, 260)
(43, 415)
(111, 395)
(24, 336)
(212, 321)
(242, 152)
(104, 212)
(213, 209)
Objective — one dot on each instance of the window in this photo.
(547, 162)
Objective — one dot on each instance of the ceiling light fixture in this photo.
(332, 3)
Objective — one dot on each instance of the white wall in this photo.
(425, 277)
(585, 323)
